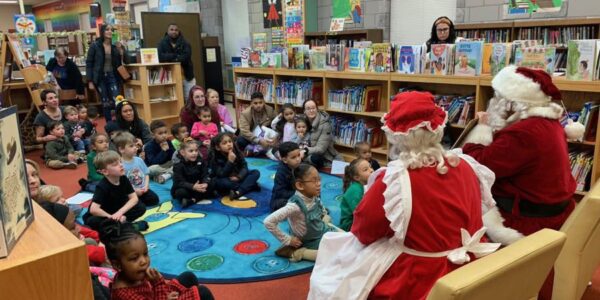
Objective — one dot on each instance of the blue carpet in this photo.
(225, 244)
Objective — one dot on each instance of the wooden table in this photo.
(48, 262)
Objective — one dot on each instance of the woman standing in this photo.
(196, 100)
(442, 32)
(320, 151)
(51, 112)
(102, 63)
(66, 73)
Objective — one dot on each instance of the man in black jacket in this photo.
(174, 48)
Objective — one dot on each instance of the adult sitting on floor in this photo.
(257, 115)
(522, 141)
(191, 111)
(51, 112)
(407, 234)
(320, 151)
(127, 119)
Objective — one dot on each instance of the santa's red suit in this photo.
(414, 224)
(534, 186)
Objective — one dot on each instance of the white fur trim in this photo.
(480, 134)
(517, 87)
(393, 136)
(496, 230)
(551, 111)
(398, 198)
(574, 130)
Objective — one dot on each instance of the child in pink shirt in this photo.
(204, 130)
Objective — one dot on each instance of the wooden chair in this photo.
(515, 272)
(580, 256)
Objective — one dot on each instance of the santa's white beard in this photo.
(497, 110)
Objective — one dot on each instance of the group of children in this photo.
(72, 137)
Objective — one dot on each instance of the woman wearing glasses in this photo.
(442, 32)
(320, 151)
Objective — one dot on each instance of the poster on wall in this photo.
(294, 23)
(16, 211)
(25, 23)
(350, 10)
(277, 37)
(533, 7)
(272, 16)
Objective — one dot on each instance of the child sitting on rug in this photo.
(180, 133)
(135, 168)
(99, 143)
(204, 130)
(356, 175)
(114, 197)
(74, 129)
(159, 152)
(59, 152)
(66, 217)
(283, 187)
(302, 137)
(128, 252)
(363, 150)
(190, 176)
(229, 169)
(306, 215)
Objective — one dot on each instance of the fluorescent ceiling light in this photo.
(8, 2)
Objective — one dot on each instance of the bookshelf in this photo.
(321, 38)
(575, 93)
(551, 31)
(156, 91)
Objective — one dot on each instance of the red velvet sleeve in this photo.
(96, 254)
(89, 233)
(509, 153)
(370, 223)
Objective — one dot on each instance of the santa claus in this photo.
(522, 141)
(420, 218)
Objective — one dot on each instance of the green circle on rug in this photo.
(205, 262)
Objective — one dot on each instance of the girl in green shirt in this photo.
(98, 143)
(356, 175)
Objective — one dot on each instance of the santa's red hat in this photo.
(411, 111)
(525, 85)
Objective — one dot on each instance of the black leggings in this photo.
(188, 279)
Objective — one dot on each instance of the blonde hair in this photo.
(48, 192)
(68, 110)
(422, 148)
(122, 139)
(209, 90)
(103, 159)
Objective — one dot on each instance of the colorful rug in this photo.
(224, 241)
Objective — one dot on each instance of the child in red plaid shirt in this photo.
(135, 280)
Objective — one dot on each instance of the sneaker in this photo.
(83, 182)
(204, 202)
(80, 160)
(234, 195)
(70, 165)
(285, 251)
(271, 156)
(140, 225)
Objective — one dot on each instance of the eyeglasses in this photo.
(311, 109)
(442, 29)
(315, 181)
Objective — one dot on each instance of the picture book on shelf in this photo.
(317, 58)
(356, 59)
(540, 58)
(468, 56)
(381, 58)
(580, 59)
(486, 56)
(439, 59)
(333, 57)
(372, 97)
(149, 55)
(407, 59)
(270, 60)
(255, 56)
(500, 57)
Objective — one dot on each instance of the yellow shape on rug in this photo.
(171, 217)
(240, 203)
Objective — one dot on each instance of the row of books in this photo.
(348, 131)
(589, 118)
(461, 109)
(557, 36)
(488, 35)
(581, 166)
(295, 91)
(356, 98)
(160, 76)
(246, 86)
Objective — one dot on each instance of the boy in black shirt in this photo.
(283, 188)
(114, 197)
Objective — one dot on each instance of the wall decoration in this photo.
(64, 15)
(277, 37)
(259, 41)
(25, 23)
(272, 16)
(16, 211)
(294, 22)
(350, 10)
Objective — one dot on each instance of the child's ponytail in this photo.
(112, 233)
(349, 172)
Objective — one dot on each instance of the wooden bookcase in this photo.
(575, 93)
(517, 29)
(48, 262)
(373, 35)
(158, 99)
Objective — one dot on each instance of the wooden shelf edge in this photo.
(166, 117)
(375, 114)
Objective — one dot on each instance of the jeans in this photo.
(108, 88)
(245, 185)
(187, 86)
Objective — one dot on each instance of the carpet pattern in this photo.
(224, 241)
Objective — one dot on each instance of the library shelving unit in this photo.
(320, 38)
(554, 32)
(47, 262)
(575, 93)
(156, 91)
(242, 98)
